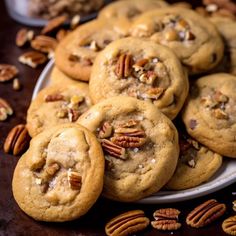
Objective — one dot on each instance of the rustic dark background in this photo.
(14, 222)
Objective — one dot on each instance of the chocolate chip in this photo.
(192, 124)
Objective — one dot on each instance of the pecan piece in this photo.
(23, 36)
(61, 34)
(123, 66)
(52, 169)
(32, 58)
(54, 24)
(220, 114)
(129, 123)
(74, 21)
(106, 130)
(127, 223)
(113, 149)
(128, 142)
(7, 72)
(132, 132)
(73, 115)
(44, 44)
(54, 97)
(5, 109)
(17, 140)
(229, 225)
(16, 84)
(154, 93)
(74, 179)
(205, 213)
(165, 224)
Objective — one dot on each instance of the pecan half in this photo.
(44, 44)
(54, 97)
(229, 225)
(17, 140)
(113, 149)
(73, 115)
(123, 66)
(127, 223)
(106, 130)
(74, 179)
(5, 109)
(165, 224)
(128, 142)
(7, 72)
(23, 36)
(133, 132)
(205, 213)
(54, 24)
(32, 58)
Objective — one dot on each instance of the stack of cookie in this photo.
(139, 62)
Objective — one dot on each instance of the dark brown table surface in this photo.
(14, 222)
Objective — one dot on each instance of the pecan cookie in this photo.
(141, 69)
(193, 38)
(61, 175)
(75, 54)
(210, 113)
(140, 146)
(57, 105)
(196, 165)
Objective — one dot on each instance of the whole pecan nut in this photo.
(32, 58)
(7, 72)
(123, 66)
(205, 213)
(5, 109)
(229, 225)
(113, 149)
(17, 140)
(127, 223)
(44, 43)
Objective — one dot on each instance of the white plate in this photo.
(225, 176)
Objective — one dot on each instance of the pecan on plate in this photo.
(5, 109)
(32, 58)
(166, 219)
(74, 179)
(113, 149)
(23, 36)
(106, 130)
(44, 44)
(205, 213)
(123, 66)
(7, 72)
(17, 140)
(127, 223)
(229, 225)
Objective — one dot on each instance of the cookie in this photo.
(193, 38)
(129, 9)
(75, 54)
(57, 104)
(196, 165)
(210, 113)
(226, 27)
(60, 177)
(141, 69)
(140, 145)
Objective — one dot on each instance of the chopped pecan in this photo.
(17, 140)
(52, 169)
(220, 97)
(133, 132)
(7, 72)
(106, 130)
(220, 114)
(141, 62)
(94, 46)
(191, 163)
(205, 213)
(127, 223)
(128, 142)
(229, 225)
(148, 77)
(154, 93)
(16, 84)
(54, 24)
(73, 115)
(23, 36)
(32, 58)
(129, 123)
(5, 109)
(113, 149)
(123, 66)
(74, 179)
(171, 35)
(54, 97)
(189, 35)
(44, 44)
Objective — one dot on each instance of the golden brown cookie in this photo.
(140, 146)
(57, 104)
(193, 38)
(142, 69)
(210, 113)
(61, 175)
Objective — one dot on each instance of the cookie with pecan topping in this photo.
(140, 146)
(194, 39)
(75, 54)
(61, 175)
(141, 69)
(57, 105)
(210, 113)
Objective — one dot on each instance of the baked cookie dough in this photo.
(60, 177)
(140, 145)
(141, 69)
(57, 104)
(196, 165)
(210, 113)
(75, 54)
(193, 38)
